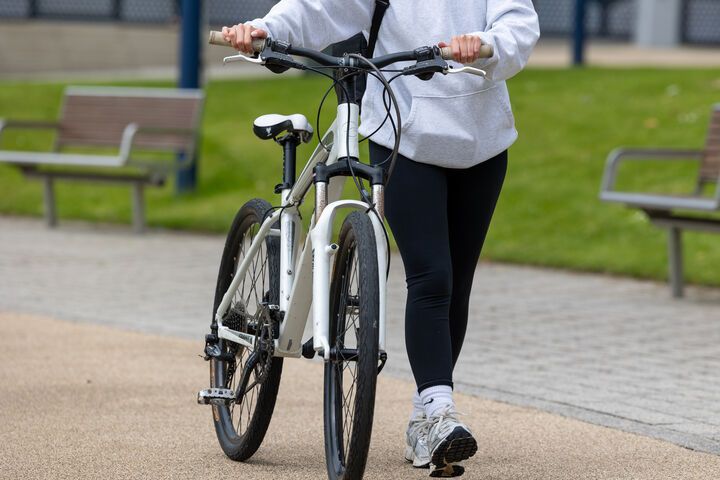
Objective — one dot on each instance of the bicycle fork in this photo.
(346, 154)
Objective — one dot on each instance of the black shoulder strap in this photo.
(380, 7)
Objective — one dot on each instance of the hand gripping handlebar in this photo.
(216, 38)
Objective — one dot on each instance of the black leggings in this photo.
(439, 218)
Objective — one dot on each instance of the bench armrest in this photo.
(132, 129)
(620, 154)
(27, 125)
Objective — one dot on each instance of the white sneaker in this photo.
(449, 441)
(416, 450)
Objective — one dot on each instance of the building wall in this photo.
(47, 46)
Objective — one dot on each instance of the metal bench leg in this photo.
(49, 202)
(676, 261)
(138, 207)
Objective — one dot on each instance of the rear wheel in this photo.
(351, 372)
(241, 427)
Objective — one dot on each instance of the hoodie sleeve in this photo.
(512, 29)
(316, 23)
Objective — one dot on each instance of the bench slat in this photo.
(110, 177)
(44, 158)
(669, 202)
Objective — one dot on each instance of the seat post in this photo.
(289, 143)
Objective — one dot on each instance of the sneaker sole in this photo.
(457, 446)
(447, 471)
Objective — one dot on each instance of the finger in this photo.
(455, 46)
(258, 33)
(471, 48)
(443, 45)
(247, 39)
(237, 35)
(229, 34)
(469, 52)
(225, 32)
(465, 49)
(476, 47)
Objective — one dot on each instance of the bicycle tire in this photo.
(348, 412)
(236, 443)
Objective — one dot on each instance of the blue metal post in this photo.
(190, 62)
(579, 33)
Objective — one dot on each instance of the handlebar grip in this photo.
(216, 38)
(486, 51)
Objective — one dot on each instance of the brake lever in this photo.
(273, 56)
(243, 58)
(466, 69)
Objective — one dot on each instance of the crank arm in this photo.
(247, 371)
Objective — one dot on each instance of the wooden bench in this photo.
(132, 122)
(674, 212)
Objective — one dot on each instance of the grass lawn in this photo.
(549, 213)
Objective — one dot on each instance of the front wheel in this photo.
(351, 372)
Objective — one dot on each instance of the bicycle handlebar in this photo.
(217, 38)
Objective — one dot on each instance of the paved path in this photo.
(610, 351)
(66, 415)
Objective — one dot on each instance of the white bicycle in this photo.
(268, 281)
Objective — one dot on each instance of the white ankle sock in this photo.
(418, 409)
(436, 398)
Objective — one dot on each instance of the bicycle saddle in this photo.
(271, 125)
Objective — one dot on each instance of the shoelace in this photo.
(420, 427)
(442, 416)
(424, 429)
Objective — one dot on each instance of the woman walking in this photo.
(448, 175)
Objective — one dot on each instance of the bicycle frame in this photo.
(305, 275)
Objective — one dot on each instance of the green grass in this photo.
(549, 213)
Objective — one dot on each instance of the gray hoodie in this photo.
(452, 121)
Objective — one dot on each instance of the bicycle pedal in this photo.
(216, 396)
